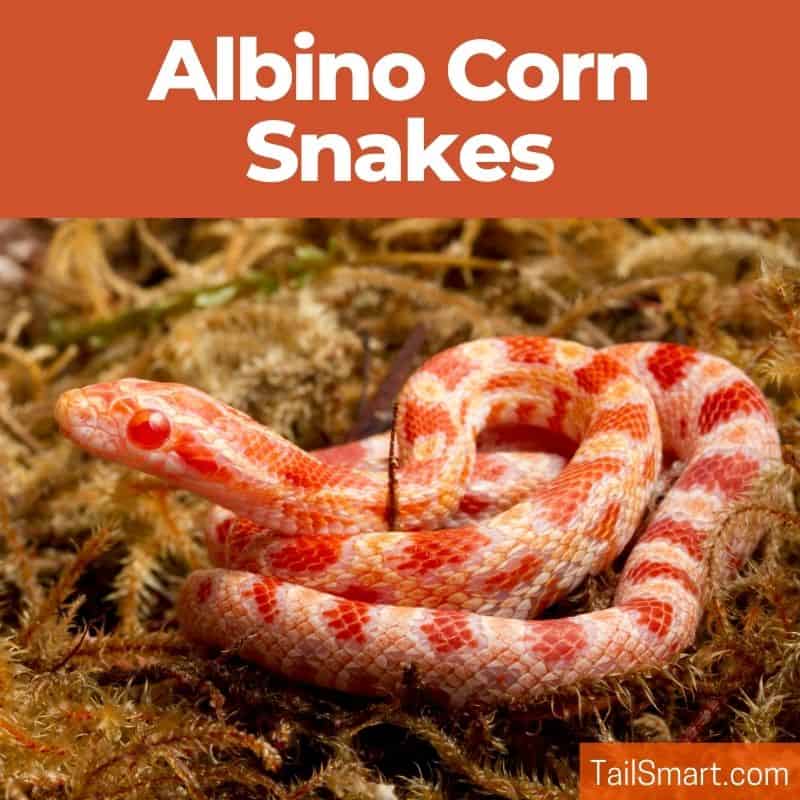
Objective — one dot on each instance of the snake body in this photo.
(329, 573)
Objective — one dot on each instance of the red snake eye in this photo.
(148, 429)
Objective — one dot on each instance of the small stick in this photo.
(374, 415)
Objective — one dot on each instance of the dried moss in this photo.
(297, 322)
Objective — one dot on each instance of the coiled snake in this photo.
(311, 584)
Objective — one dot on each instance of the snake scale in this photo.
(330, 573)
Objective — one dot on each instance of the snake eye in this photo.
(148, 429)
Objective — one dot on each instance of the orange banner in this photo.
(561, 109)
(666, 771)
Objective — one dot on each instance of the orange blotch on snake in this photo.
(449, 630)
(306, 554)
(571, 489)
(598, 373)
(347, 619)
(523, 572)
(305, 473)
(650, 570)
(740, 397)
(148, 429)
(560, 641)
(264, 592)
(669, 364)
(630, 418)
(427, 551)
(656, 615)
(422, 420)
(527, 350)
(729, 474)
(450, 367)
(682, 534)
(603, 530)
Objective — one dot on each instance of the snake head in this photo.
(169, 430)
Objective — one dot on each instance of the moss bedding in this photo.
(309, 326)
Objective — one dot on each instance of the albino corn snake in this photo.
(310, 584)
